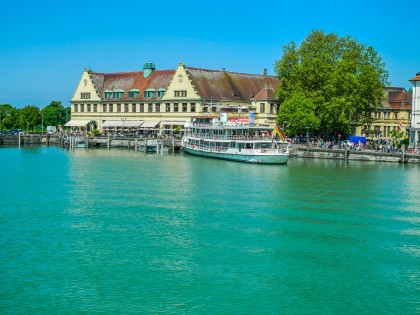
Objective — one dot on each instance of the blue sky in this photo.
(46, 44)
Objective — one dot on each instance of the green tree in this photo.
(29, 117)
(396, 137)
(9, 117)
(340, 80)
(54, 114)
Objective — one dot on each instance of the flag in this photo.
(399, 126)
(279, 131)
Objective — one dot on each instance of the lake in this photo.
(118, 231)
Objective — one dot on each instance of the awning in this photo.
(133, 123)
(77, 123)
(150, 124)
(174, 122)
(112, 123)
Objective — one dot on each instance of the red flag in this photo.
(399, 126)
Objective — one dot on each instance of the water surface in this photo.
(98, 231)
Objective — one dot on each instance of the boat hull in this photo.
(278, 158)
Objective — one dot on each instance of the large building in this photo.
(163, 99)
(415, 116)
(393, 114)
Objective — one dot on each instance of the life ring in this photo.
(193, 146)
(196, 135)
(218, 149)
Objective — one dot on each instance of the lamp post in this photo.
(123, 121)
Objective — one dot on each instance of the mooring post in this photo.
(109, 141)
(402, 153)
(173, 144)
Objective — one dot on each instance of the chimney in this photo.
(265, 71)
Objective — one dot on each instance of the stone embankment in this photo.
(347, 154)
(300, 151)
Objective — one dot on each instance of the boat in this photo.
(242, 142)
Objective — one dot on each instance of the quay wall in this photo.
(342, 154)
(297, 151)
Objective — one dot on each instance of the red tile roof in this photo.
(222, 85)
(131, 80)
(397, 98)
(416, 78)
(266, 93)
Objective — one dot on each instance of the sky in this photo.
(45, 45)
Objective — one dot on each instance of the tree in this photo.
(340, 80)
(396, 137)
(54, 114)
(9, 117)
(29, 117)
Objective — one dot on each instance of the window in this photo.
(108, 94)
(149, 93)
(184, 107)
(88, 108)
(133, 108)
(95, 108)
(76, 108)
(125, 108)
(205, 109)
(273, 109)
(158, 107)
(192, 107)
(175, 107)
(141, 108)
(168, 107)
(104, 108)
(161, 93)
(180, 93)
(150, 107)
(111, 109)
(85, 96)
(133, 93)
(82, 108)
(262, 108)
(396, 115)
(118, 108)
(117, 93)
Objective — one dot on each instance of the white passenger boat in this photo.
(243, 142)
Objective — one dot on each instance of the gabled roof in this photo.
(223, 85)
(131, 80)
(265, 94)
(397, 98)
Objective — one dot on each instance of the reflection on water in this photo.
(105, 231)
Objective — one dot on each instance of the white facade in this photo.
(415, 114)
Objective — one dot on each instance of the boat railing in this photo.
(230, 137)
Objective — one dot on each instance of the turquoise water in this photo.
(97, 231)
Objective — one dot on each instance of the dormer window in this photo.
(133, 93)
(161, 92)
(117, 93)
(149, 93)
(108, 94)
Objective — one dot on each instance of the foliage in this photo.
(54, 114)
(9, 117)
(405, 142)
(29, 117)
(396, 137)
(338, 80)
